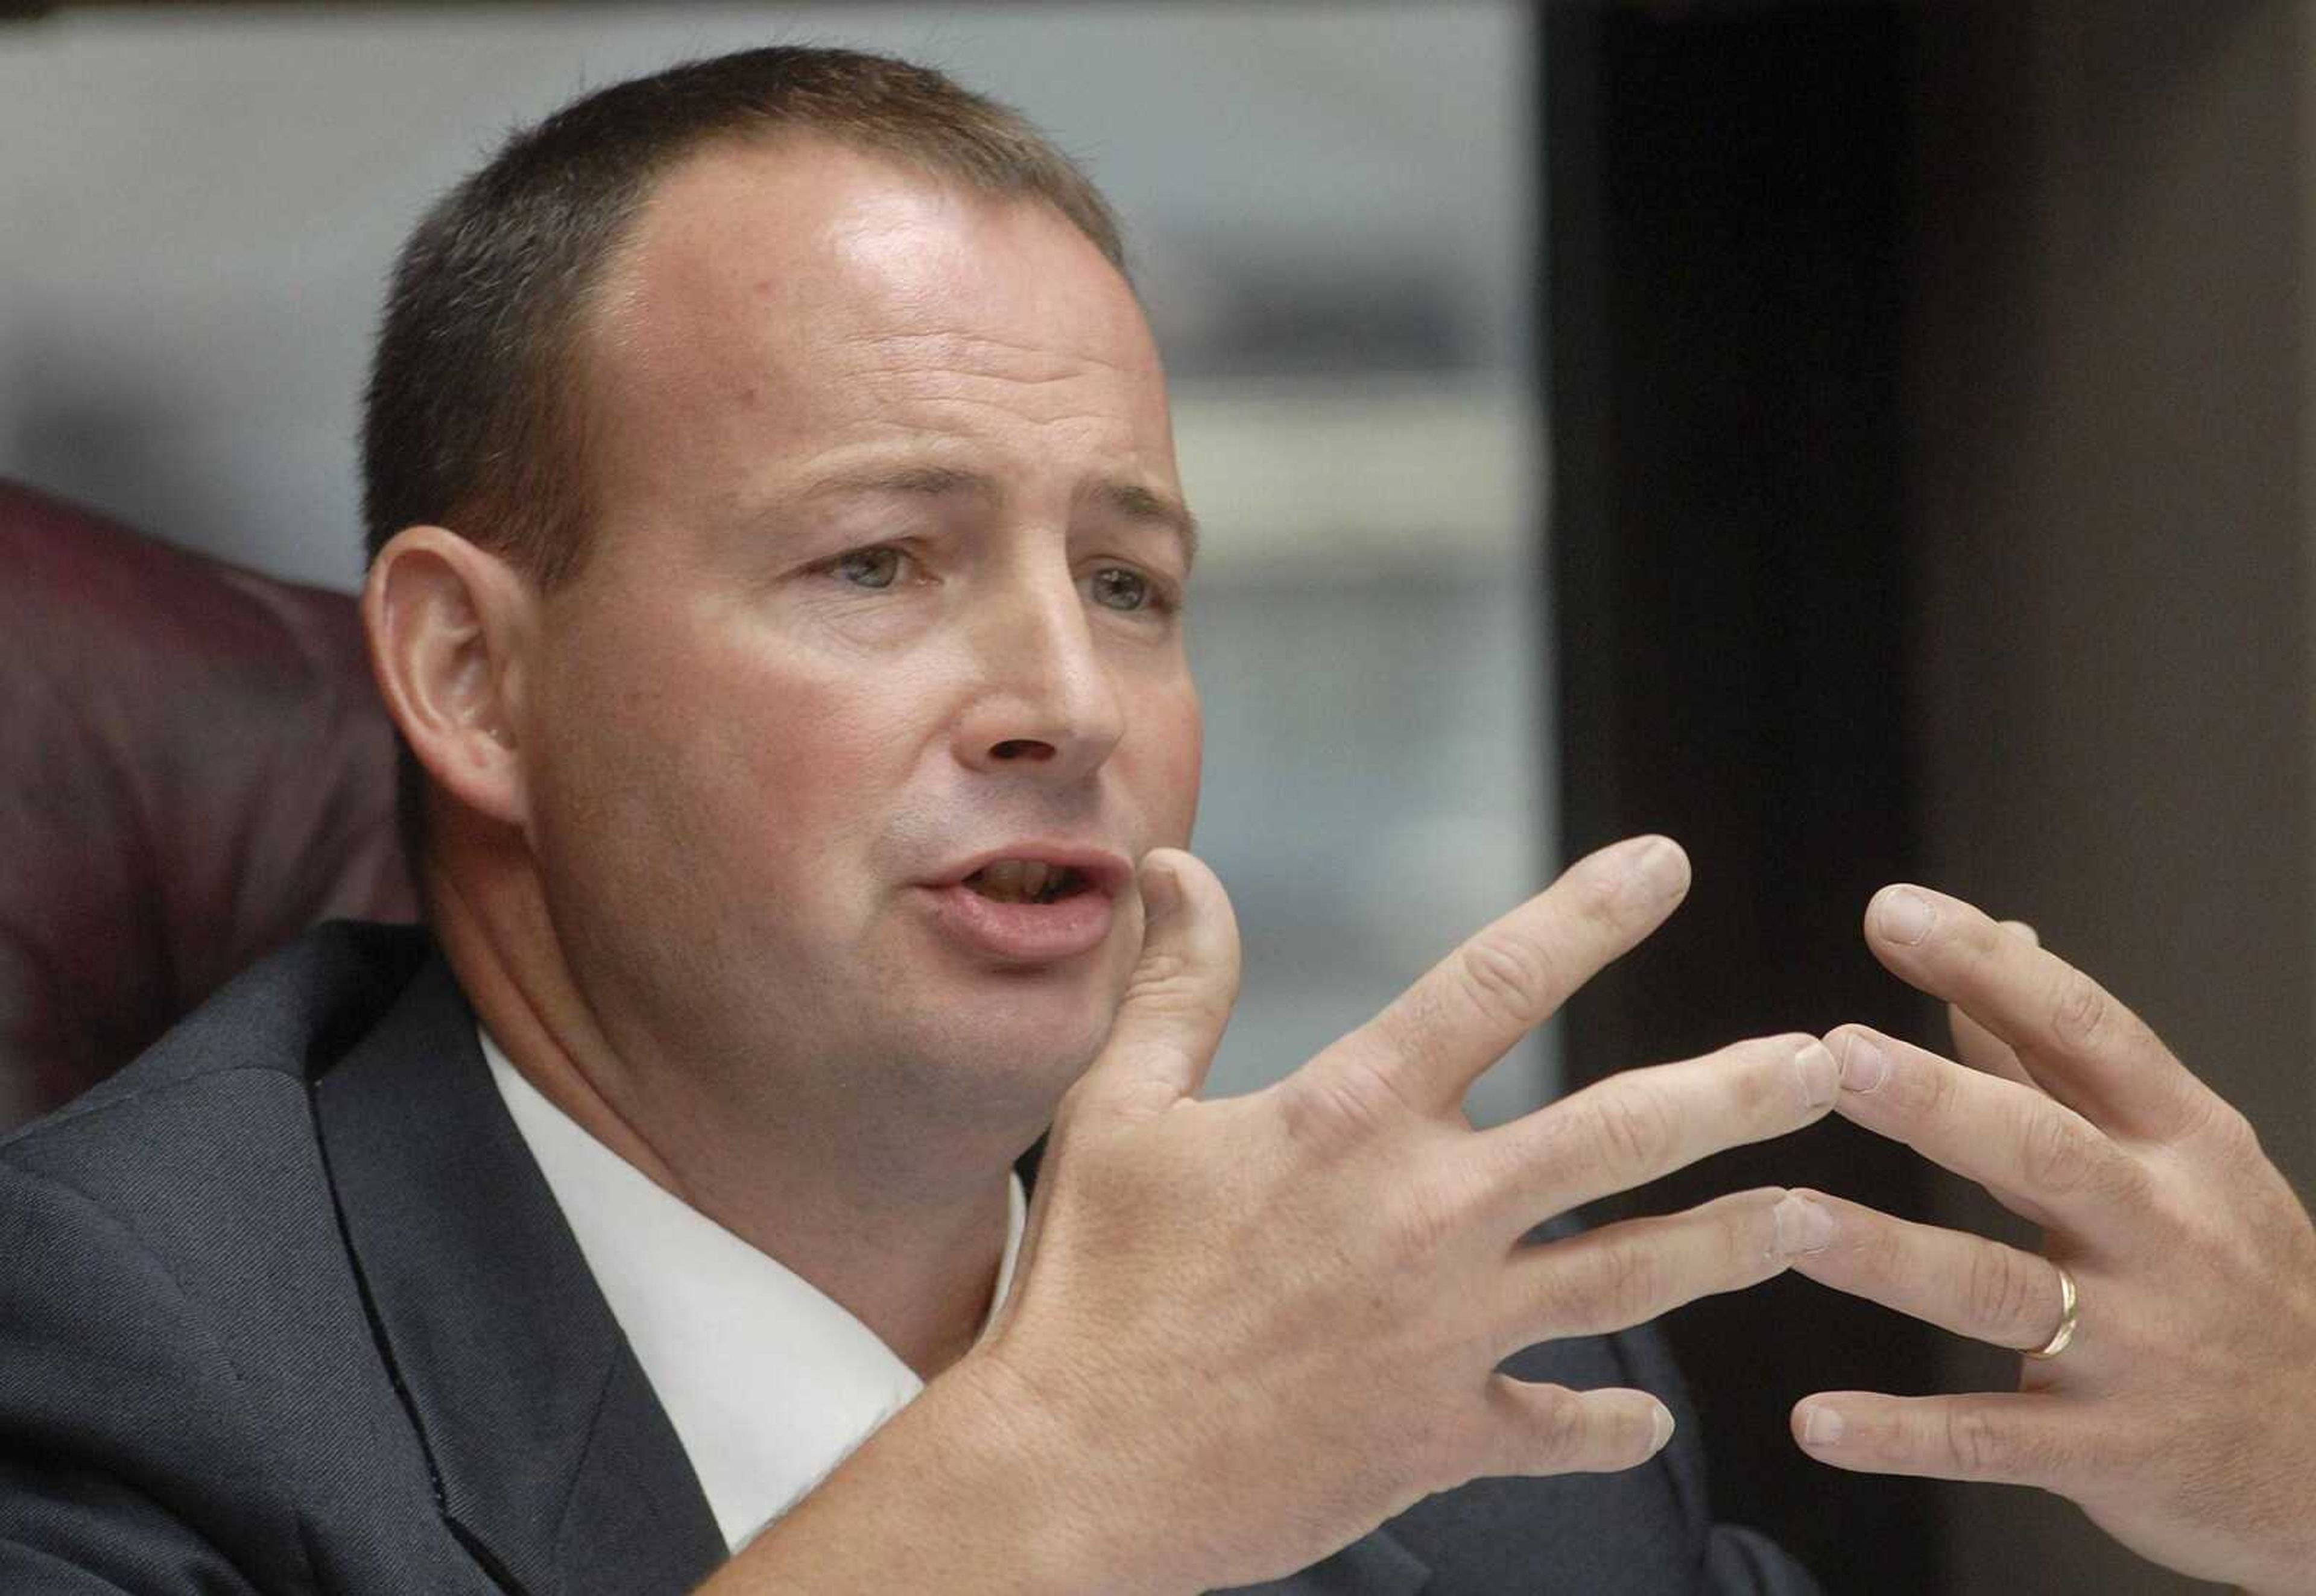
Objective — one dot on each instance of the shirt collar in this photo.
(767, 1382)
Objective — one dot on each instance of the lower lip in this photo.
(1025, 933)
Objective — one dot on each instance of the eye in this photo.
(1117, 588)
(868, 567)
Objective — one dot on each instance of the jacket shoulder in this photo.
(188, 1378)
(288, 1016)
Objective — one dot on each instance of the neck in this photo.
(904, 1226)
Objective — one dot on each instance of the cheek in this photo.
(813, 768)
(1169, 742)
(716, 760)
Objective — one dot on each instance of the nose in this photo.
(1044, 699)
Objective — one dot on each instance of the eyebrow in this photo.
(1130, 500)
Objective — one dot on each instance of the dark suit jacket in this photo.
(287, 1306)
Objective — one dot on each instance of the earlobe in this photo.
(448, 623)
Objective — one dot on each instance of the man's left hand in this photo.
(2180, 1412)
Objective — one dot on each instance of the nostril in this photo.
(1022, 748)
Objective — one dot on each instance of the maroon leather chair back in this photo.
(194, 766)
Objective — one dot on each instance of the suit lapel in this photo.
(553, 1462)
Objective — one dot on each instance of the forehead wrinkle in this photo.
(942, 366)
(951, 351)
(942, 400)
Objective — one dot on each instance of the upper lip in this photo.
(1107, 872)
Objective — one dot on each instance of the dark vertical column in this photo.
(1725, 215)
(2108, 443)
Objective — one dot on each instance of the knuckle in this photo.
(1630, 1278)
(1341, 1099)
(1934, 1096)
(1510, 978)
(2080, 1011)
(2233, 1129)
(1557, 1422)
(1974, 1444)
(1160, 970)
(1635, 1129)
(2056, 1151)
(1418, 1029)
(1883, 1254)
(1998, 1296)
(1555, 1301)
(1171, 986)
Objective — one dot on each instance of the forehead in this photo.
(792, 294)
(798, 218)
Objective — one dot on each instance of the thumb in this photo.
(1179, 999)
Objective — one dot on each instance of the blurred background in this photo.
(1864, 441)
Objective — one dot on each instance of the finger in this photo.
(1461, 1015)
(1539, 1429)
(2039, 1157)
(1981, 1049)
(1997, 1438)
(1967, 1284)
(2082, 1045)
(1625, 1274)
(1179, 998)
(1633, 1127)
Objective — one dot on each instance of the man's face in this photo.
(884, 588)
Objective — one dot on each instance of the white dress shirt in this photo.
(769, 1383)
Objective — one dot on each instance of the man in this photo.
(777, 571)
(776, 579)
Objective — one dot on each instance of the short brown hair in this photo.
(473, 416)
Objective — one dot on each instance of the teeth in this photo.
(1019, 880)
(1002, 879)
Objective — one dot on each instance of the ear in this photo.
(450, 624)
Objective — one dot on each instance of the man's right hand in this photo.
(1244, 1332)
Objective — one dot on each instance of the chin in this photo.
(1034, 1048)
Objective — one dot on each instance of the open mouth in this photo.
(1026, 881)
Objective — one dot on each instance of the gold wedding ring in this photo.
(2065, 1333)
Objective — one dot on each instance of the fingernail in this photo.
(1661, 1424)
(1659, 869)
(1820, 1426)
(1803, 1226)
(1864, 1066)
(1817, 1075)
(1903, 916)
